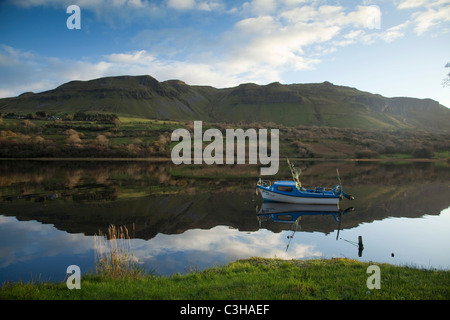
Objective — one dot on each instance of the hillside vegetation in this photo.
(134, 116)
(109, 136)
(321, 104)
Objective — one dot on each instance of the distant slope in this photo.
(141, 96)
(322, 104)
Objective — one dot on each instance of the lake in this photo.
(187, 218)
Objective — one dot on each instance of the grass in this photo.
(255, 279)
(442, 155)
(396, 156)
(114, 257)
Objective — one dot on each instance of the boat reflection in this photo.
(293, 213)
(290, 212)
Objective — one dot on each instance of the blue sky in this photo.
(393, 48)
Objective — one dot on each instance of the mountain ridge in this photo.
(320, 104)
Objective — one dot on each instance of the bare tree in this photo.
(446, 81)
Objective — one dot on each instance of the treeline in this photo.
(78, 116)
(39, 115)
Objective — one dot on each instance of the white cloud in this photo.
(395, 32)
(408, 4)
(209, 6)
(262, 7)
(138, 57)
(293, 3)
(431, 17)
(427, 13)
(389, 35)
(225, 242)
(181, 4)
(278, 42)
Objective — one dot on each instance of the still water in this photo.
(194, 217)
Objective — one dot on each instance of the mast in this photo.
(295, 172)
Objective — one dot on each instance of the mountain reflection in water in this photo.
(212, 208)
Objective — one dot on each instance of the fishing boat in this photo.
(294, 192)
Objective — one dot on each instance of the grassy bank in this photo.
(255, 279)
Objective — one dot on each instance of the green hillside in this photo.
(321, 104)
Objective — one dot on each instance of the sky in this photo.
(393, 48)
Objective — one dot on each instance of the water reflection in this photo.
(199, 216)
(293, 213)
(289, 212)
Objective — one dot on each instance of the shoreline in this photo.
(163, 159)
(256, 279)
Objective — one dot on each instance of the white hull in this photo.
(277, 197)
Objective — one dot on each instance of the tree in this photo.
(73, 139)
(116, 122)
(446, 81)
(101, 140)
(424, 152)
(41, 114)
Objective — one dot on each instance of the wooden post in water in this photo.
(360, 246)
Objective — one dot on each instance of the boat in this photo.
(294, 192)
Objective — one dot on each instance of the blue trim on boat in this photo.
(305, 193)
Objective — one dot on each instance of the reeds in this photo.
(113, 255)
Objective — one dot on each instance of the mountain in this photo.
(320, 104)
